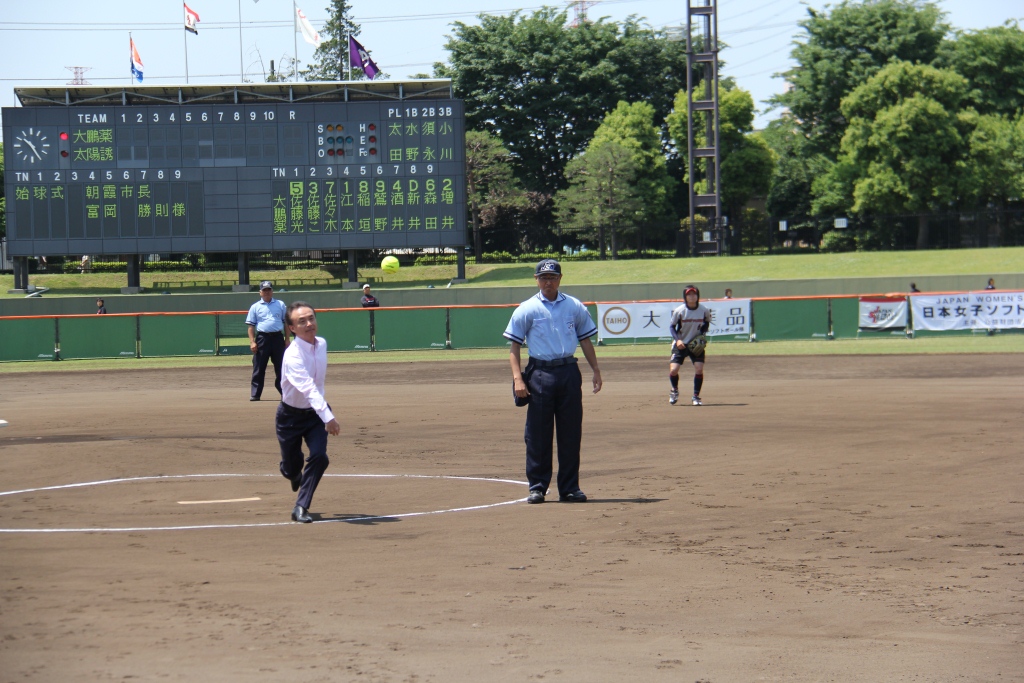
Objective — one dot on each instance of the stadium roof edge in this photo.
(244, 93)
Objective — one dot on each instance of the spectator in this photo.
(369, 300)
(728, 293)
(991, 284)
(100, 308)
(914, 289)
(86, 266)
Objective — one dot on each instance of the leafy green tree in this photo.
(844, 46)
(489, 179)
(789, 192)
(904, 143)
(632, 127)
(330, 61)
(746, 158)
(992, 61)
(601, 190)
(992, 171)
(3, 199)
(544, 87)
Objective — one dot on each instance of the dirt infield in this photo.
(819, 519)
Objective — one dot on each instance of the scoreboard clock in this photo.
(201, 177)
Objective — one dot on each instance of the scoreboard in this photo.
(252, 177)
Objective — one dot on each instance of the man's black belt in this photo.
(276, 332)
(568, 360)
(296, 411)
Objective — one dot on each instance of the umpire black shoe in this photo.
(536, 496)
(254, 398)
(300, 514)
(296, 482)
(574, 497)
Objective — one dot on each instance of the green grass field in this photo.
(1000, 343)
(908, 264)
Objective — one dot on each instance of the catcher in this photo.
(690, 322)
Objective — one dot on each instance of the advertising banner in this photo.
(882, 313)
(968, 311)
(651, 320)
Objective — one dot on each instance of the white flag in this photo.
(191, 19)
(303, 25)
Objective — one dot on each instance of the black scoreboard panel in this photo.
(218, 178)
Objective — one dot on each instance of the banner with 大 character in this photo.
(882, 313)
(997, 310)
(628, 321)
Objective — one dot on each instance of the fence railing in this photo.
(223, 333)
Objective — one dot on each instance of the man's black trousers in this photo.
(555, 409)
(269, 347)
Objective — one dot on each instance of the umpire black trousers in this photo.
(269, 347)
(555, 410)
(294, 425)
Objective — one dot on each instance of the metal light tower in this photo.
(705, 15)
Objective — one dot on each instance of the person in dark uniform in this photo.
(551, 324)
(304, 412)
(369, 300)
(101, 308)
(268, 337)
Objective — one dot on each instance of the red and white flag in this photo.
(303, 26)
(191, 19)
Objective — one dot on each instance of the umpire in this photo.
(551, 324)
(268, 335)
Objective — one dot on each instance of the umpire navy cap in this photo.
(548, 265)
(266, 284)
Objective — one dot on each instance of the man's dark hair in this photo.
(294, 305)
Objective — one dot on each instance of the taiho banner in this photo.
(650, 320)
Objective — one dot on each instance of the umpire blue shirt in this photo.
(267, 316)
(551, 329)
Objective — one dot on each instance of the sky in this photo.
(238, 38)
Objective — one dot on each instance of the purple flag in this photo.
(359, 58)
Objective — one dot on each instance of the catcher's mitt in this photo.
(697, 344)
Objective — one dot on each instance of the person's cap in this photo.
(266, 284)
(548, 265)
(366, 286)
(691, 288)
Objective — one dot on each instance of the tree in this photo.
(489, 179)
(992, 61)
(903, 144)
(330, 61)
(789, 192)
(632, 127)
(844, 47)
(746, 159)
(543, 87)
(601, 190)
(3, 199)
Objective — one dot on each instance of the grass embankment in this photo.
(1000, 343)
(909, 264)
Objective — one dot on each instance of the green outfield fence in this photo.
(138, 335)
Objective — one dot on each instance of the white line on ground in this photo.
(204, 502)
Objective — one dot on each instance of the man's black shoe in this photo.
(535, 497)
(300, 514)
(574, 497)
(254, 398)
(296, 482)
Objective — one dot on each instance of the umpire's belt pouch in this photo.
(527, 371)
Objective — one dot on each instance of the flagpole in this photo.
(184, 36)
(295, 37)
(241, 69)
(348, 53)
(131, 60)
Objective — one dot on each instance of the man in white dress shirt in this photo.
(304, 412)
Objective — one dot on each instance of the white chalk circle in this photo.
(352, 520)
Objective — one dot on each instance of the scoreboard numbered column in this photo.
(175, 178)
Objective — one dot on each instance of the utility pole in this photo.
(705, 16)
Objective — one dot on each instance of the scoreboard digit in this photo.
(225, 178)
